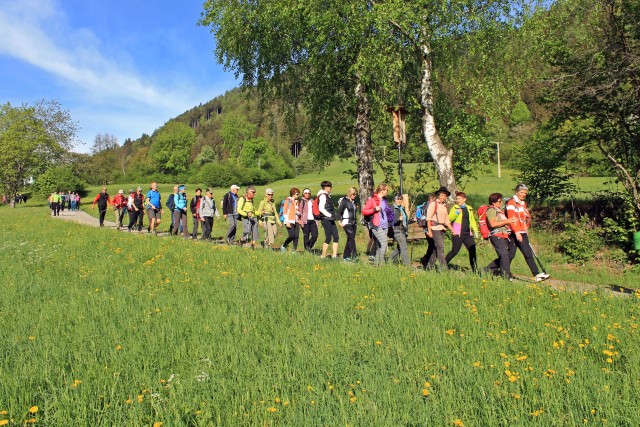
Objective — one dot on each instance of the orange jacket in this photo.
(518, 209)
(290, 210)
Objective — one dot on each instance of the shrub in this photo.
(580, 242)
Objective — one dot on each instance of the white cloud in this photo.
(36, 32)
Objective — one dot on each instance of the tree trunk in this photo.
(442, 156)
(364, 151)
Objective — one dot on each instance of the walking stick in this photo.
(535, 256)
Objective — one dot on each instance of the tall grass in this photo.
(103, 328)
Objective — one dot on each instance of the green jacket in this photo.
(455, 216)
(267, 210)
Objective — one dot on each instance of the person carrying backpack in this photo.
(517, 209)
(153, 202)
(119, 203)
(102, 200)
(180, 212)
(347, 215)
(230, 212)
(247, 213)
(400, 231)
(206, 210)
(465, 229)
(291, 219)
(270, 218)
(307, 220)
(376, 209)
(500, 238)
(194, 207)
(171, 205)
(328, 219)
(437, 222)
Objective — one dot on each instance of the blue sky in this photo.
(122, 67)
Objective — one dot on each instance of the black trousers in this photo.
(55, 208)
(310, 231)
(207, 226)
(103, 212)
(350, 247)
(525, 248)
(294, 234)
(133, 218)
(506, 250)
(330, 231)
(468, 241)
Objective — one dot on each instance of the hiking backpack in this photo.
(315, 208)
(421, 214)
(482, 221)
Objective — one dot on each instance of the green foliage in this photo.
(32, 139)
(172, 147)
(520, 114)
(235, 131)
(540, 167)
(206, 155)
(60, 178)
(580, 242)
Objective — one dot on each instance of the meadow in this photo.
(103, 328)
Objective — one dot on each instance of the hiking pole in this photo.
(535, 255)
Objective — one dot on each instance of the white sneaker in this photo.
(541, 276)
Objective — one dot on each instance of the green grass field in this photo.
(103, 328)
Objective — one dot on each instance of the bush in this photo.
(580, 242)
(60, 178)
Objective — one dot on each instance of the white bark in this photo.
(442, 156)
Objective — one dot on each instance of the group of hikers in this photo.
(58, 201)
(506, 228)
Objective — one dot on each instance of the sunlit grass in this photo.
(105, 328)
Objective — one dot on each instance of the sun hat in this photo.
(442, 189)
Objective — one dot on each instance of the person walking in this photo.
(400, 230)
(119, 204)
(171, 205)
(230, 212)
(206, 210)
(247, 213)
(465, 230)
(500, 238)
(131, 209)
(78, 201)
(307, 220)
(180, 212)
(437, 222)
(53, 202)
(138, 210)
(153, 202)
(347, 215)
(376, 209)
(102, 200)
(72, 196)
(517, 209)
(270, 219)
(194, 207)
(291, 219)
(328, 220)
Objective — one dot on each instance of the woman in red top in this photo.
(518, 212)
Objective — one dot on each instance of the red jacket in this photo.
(370, 209)
(518, 209)
(119, 201)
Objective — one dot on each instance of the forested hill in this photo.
(228, 139)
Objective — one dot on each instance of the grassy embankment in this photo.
(103, 328)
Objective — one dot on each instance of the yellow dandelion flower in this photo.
(157, 424)
(140, 398)
(425, 392)
(30, 421)
(5, 412)
(4, 422)
(458, 423)
(118, 347)
(286, 403)
(32, 338)
(271, 409)
(128, 402)
(378, 342)
(521, 358)
(513, 378)
(353, 399)
(277, 400)
(476, 364)
(33, 409)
